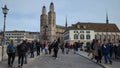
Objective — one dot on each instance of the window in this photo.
(82, 36)
(75, 36)
(81, 31)
(87, 31)
(66, 37)
(108, 36)
(75, 31)
(103, 36)
(87, 36)
(81, 26)
(78, 26)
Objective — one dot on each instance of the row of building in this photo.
(19, 35)
(80, 31)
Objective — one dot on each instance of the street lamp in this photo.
(5, 11)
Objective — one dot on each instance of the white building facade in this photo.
(21, 35)
(86, 32)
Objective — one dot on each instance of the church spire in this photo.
(44, 10)
(107, 21)
(66, 23)
(52, 7)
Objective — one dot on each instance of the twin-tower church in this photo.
(49, 31)
(83, 31)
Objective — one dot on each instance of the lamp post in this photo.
(5, 11)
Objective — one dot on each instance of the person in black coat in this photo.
(38, 45)
(118, 50)
(62, 47)
(26, 51)
(67, 47)
(21, 49)
(55, 49)
(115, 51)
(50, 47)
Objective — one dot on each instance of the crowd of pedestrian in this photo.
(97, 48)
(105, 49)
(25, 48)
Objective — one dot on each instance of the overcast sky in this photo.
(25, 14)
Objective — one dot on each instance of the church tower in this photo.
(43, 24)
(51, 23)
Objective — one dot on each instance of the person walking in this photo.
(106, 51)
(118, 49)
(115, 51)
(79, 46)
(32, 48)
(67, 47)
(92, 48)
(75, 47)
(21, 53)
(26, 51)
(62, 47)
(11, 50)
(38, 45)
(56, 48)
(97, 51)
(46, 47)
(50, 47)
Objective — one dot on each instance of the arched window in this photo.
(87, 36)
(75, 36)
(95, 37)
(103, 36)
(82, 36)
(100, 37)
(108, 36)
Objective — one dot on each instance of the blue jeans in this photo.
(78, 50)
(46, 51)
(25, 58)
(67, 50)
(107, 57)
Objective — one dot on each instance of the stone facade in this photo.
(48, 28)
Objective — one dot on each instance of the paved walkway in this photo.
(116, 63)
(70, 60)
(3, 64)
(63, 61)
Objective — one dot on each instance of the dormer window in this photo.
(78, 26)
(84, 27)
(81, 26)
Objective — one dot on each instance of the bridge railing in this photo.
(3, 54)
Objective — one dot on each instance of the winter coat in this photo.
(118, 50)
(21, 49)
(96, 47)
(105, 49)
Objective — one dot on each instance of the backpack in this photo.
(10, 48)
(22, 48)
(34, 45)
